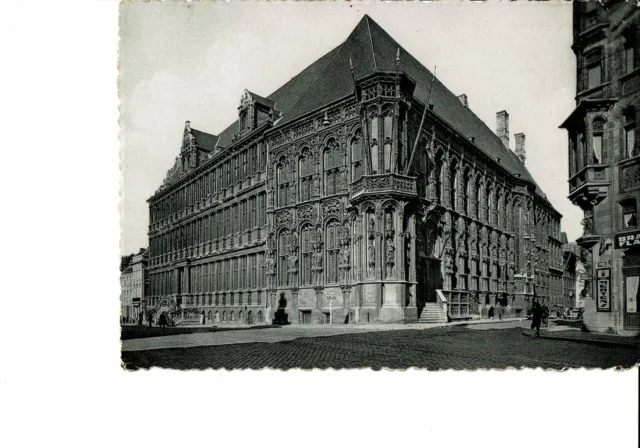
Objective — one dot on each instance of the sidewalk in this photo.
(239, 335)
(563, 333)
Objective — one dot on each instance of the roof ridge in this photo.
(373, 52)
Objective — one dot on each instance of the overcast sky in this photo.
(183, 62)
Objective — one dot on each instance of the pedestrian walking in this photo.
(150, 319)
(491, 312)
(140, 319)
(500, 312)
(536, 318)
(545, 315)
(202, 318)
(162, 320)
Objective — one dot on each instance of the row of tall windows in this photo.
(477, 199)
(238, 273)
(223, 223)
(236, 169)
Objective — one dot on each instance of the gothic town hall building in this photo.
(341, 194)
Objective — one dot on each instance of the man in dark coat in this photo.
(536, 318)
(545, 315)
(162, 320)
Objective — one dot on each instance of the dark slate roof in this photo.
(259, 99)
(204, 141)
(371, 50)
(287, 95)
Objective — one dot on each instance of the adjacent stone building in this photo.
(604, 160)
(133, 270)
(571, 253)
(362, 187)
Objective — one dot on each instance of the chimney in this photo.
(521, 153)
(502, 127)
(463, 99)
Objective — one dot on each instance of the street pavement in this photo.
(481, 345)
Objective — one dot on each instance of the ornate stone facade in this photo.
(604, 157)
(366, 213)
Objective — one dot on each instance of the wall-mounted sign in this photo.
(626, 240)
(603, 293)
(603, 264)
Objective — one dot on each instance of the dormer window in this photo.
(253, 111)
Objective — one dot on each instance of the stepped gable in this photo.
(371, 50)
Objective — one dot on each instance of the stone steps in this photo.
(432, 314)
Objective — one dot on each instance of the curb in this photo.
(586, 341)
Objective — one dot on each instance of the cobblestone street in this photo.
(491, 345)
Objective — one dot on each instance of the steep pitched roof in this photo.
(371, 49)
(286, 96)
(204, 140)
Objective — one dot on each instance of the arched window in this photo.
(629, 212)
(466, 205)
(333, 162)
(305, 175)
(490, 204)
(629, 123)
(597, 135)
(388, 138)
(453, 185)
(374, 140)
(306, 250)
(283, 266)
(357, 159)
(282, 181)
(439, 177)
(332, 248)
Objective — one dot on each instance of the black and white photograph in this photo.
(362, 189)
(300, 223)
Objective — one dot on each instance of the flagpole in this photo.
(363, 122)
(424, 115)
(396, 162)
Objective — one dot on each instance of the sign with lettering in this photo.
(626, 240)
(603, 295)
(603, 264)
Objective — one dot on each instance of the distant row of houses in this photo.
(133, 284)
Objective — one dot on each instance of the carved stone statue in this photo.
(587, 223)
(345, 256)
(391, 252)
(317, 260)
(371, 254)
(271, 244)
(372, 224)
(389, 221)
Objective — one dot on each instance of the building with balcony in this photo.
(604, 159)
(362, 190)
(133, 276)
